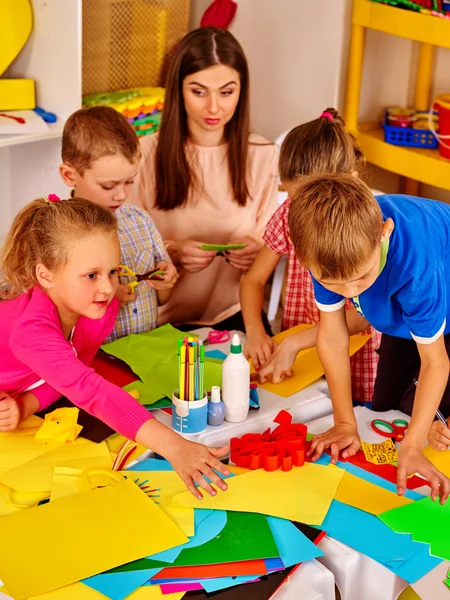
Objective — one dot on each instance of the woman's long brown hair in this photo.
(200, 49)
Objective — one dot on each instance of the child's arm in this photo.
(259, 346)
(332, 346)
(280, 365)
(434, 372)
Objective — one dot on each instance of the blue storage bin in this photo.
(407, 136)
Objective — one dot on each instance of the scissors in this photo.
(395, 430)
(126, 272)
(217, 337)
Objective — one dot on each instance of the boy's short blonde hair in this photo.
(335, 225)
(97, 131)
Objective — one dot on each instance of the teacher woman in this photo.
(206, 179)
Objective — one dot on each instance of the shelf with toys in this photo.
(418, 164)
(402, 23)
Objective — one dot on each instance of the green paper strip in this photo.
(222, 247)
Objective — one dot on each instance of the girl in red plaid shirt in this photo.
(320, 146)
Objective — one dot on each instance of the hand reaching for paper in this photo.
(342, 437)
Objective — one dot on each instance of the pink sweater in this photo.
(210, 216)
(32, 347)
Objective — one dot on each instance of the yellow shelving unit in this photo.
(425, 166)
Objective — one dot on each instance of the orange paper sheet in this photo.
(441, 460)
(307, 366)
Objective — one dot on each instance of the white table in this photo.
(311, 581)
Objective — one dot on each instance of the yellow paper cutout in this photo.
(37, 475)
(303, 494)
(168, 484)
(12, 501)
(441, 460)
(307, 367)
(367, 496)
(77, 536)
(61, 425)
(383, 453)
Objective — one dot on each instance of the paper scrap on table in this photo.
(303, 494)
(77, 536)
(307, 367)
(367, 496)
(78, 591)
(60, 425)
(383, 453)
(426, 521)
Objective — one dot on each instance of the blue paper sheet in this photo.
(293, 545)
(118, 586)
(152, 464)
(216, 354)
(221, 583)
(367, 534)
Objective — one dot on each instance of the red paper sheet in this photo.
(244, 567)
(113, 369)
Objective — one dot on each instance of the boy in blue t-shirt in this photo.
(391, 256)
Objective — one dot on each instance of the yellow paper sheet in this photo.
(307, 367)
(37, 475)
(168, 484)
(76, 537)
(383, 453)
(78, 591)
(303, 494)
(65, 483)
(441, 460)
(367, 496)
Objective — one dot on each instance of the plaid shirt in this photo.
(300, 305)
(141, 249)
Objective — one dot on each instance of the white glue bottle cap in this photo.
(215, 394)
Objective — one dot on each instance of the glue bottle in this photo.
(216, 408)
(236, 383)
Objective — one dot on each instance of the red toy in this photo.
(284, 447)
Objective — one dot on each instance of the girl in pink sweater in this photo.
(60, 264)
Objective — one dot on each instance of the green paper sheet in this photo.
(246, 536)
(153, 358)
(147, 396)
(222, 247)
(426, 521)
(447, 582)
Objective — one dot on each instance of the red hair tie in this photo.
(53, 198)
(327, 115)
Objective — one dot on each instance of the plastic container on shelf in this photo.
(411, 137)
(442, 103)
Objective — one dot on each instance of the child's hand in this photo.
(280, 364)
(243, 259)
(343, 436)
(10, 416)
(439, 436)
(124, 294)
(193, 461)
(412, 460)
(167, 281)
(189, 255)
(259, 348)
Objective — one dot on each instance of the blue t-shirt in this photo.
(409, 298)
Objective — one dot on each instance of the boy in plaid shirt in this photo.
(101, 153)
(319, 146)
